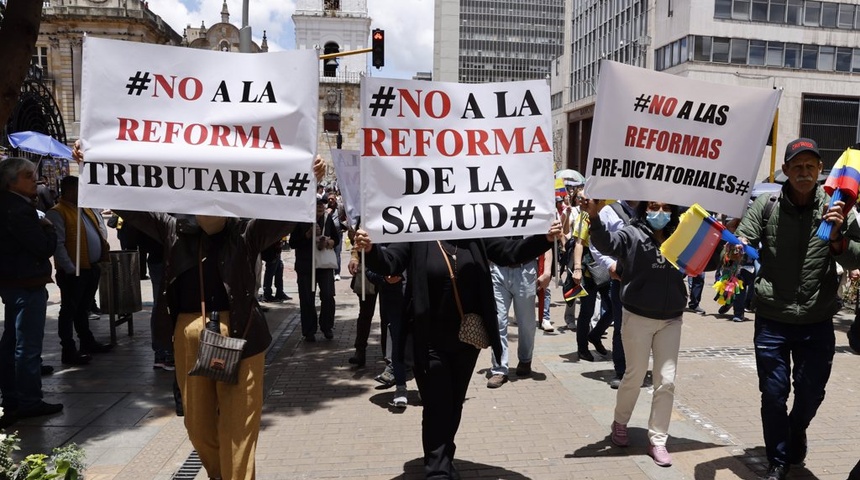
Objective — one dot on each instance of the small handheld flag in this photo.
(693, 243)
(842, 184)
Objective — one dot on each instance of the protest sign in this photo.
(667, 138)
(444, 160)
(183, 130)
(347, 167)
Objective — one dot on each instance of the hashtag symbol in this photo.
(742, 188)
(138, 83)
(297, 185)
(642, 103)
(382, 100)
(522, 213)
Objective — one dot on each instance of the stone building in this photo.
(58, 51)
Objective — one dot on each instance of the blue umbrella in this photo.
(40, 144)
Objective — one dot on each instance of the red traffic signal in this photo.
(378, 44)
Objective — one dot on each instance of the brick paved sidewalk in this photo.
(324, 419)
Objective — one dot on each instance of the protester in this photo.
(222, 420)
(796, 300)
(78, 280)
(615, 216)
(26, 245)
(517, 285)
(274, 273)
(580, 256)
(652, 297)
(444, 364)
(322, 235)
(45, 198)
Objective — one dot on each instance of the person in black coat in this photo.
(444, 364)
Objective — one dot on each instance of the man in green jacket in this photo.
(796, 299)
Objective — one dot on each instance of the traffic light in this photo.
(378, 37)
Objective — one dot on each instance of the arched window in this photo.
(330, 65)
(224, 46)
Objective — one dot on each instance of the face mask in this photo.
(658, 220)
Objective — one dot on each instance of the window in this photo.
(826, 59)
(741, 10)
(792, 55)
(855, 61)
(739, 51)
(702, 49)
(843, 59)
(809, 60)
(846, 16)
(793, 12)
(723, 9)
(759, 10)
(812, 13)
(721, 50)
(757, 52)
(777, 11)
(832, 121)
(40, 59)
(774, 54)
(829, 13)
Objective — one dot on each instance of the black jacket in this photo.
(304, 246)
(236, 262)
(26, 245)
(411, 257)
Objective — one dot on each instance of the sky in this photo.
(408, 26)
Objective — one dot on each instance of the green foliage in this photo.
(64, 463)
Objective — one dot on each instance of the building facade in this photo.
(58, 51)
(809, 49)
(222, 36)
(332, 26)
(481, 41)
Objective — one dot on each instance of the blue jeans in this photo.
(776, 344)
(740, 300)
(547, 301)
(21, 346)
(697, 284)
(517, 285)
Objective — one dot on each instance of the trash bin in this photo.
(119, 289)
(119, 286)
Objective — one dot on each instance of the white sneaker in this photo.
(546, 326)
(337, 278)
(399, 397)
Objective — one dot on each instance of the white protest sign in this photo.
(445, 160)
(347, 168)
(667, 138)
(172, 129)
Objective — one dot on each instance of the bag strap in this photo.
(202, 301)
(453, 278)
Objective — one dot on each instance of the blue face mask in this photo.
(658, 220)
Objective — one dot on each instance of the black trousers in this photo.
(443, 382)
(325, 284)
(76, 296)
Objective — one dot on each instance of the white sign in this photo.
(667, 138)
(444, 160)
(347, 167)
(172, 129)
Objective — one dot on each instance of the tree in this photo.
(18, 33)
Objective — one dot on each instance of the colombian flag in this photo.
(694, 241)
(560, 189)
(842, 184)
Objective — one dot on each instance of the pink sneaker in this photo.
(660, 455)
(619, 435)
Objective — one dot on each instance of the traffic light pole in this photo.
(327, 56)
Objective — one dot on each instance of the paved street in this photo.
(324, 419)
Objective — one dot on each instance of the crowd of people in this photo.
(427, 291)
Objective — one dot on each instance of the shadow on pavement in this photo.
(708, 470)
(638, 444)
(414, 470)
